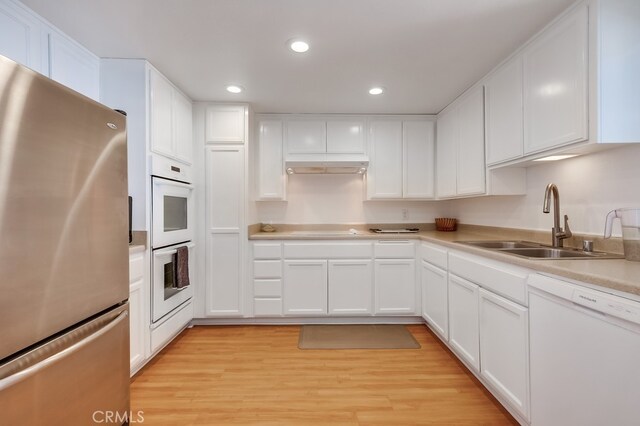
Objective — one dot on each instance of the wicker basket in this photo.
(446, 224)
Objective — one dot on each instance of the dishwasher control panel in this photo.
(613, 306)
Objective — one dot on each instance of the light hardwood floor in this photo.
(257, 375)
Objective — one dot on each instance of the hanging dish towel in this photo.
(182, 267)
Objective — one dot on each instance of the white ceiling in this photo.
(424, 52)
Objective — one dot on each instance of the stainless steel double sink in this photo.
(531, 250)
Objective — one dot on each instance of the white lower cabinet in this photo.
(464, 331)
(334, 278)
(434, 298)
(138, 320)
(504, 349)
(305, 287)
(395, 284)
(350, 287)
(163, 332)
(136, 324)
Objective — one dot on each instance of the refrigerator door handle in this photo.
(9, 381)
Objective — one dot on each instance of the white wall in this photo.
(589, 186)
(123, 86)
(318, 199)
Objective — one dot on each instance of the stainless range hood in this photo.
(327, 164)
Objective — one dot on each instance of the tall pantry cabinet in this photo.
(226, 168)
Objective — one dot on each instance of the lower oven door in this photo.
(166, 297)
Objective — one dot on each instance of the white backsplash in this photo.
(589, 186)
(318, 199)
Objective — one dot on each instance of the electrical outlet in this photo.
(405, 214)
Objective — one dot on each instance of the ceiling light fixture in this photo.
(298, 46)
(556, 157)
(376, 91)
(234, 89)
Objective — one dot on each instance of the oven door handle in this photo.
(172, 250)
(166, 182)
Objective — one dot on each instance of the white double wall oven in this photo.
(172, 227)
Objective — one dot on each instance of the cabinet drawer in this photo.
(434, 255)
(267, 269)
(163, 333)
(267, 307)
(394, 249)
(267, 288)
(507, 280)
(136, 267)
(327, 250)
(267, 251)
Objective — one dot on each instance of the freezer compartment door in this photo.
(63, 208)
(77, 378)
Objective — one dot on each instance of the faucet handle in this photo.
(567, 231)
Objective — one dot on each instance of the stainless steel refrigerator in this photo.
(64, 327)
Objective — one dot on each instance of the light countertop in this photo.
(138, 248)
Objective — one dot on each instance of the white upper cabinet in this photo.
(31, 41)
(504, 116)
(384, 177)
(20, 35)
(345, 136)
(271, 182)
(570, 88)
(306, 136)
(161, 114)
(171, 120)
(183, 127)
(618, 70)
(471, 160)
(419, 146)
(447, 154)
(401, 152)
(555, 84)
(73, 65)
(321, 137)
(225, 124)
(460, 147)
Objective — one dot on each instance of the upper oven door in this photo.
(173, 215)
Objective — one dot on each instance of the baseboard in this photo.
(311, 320)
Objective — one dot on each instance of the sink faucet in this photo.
(557, 233)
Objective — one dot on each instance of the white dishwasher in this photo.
(585, 355)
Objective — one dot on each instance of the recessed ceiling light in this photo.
(376, 91)
(298, 46)
(234, 89)
(556, 157)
